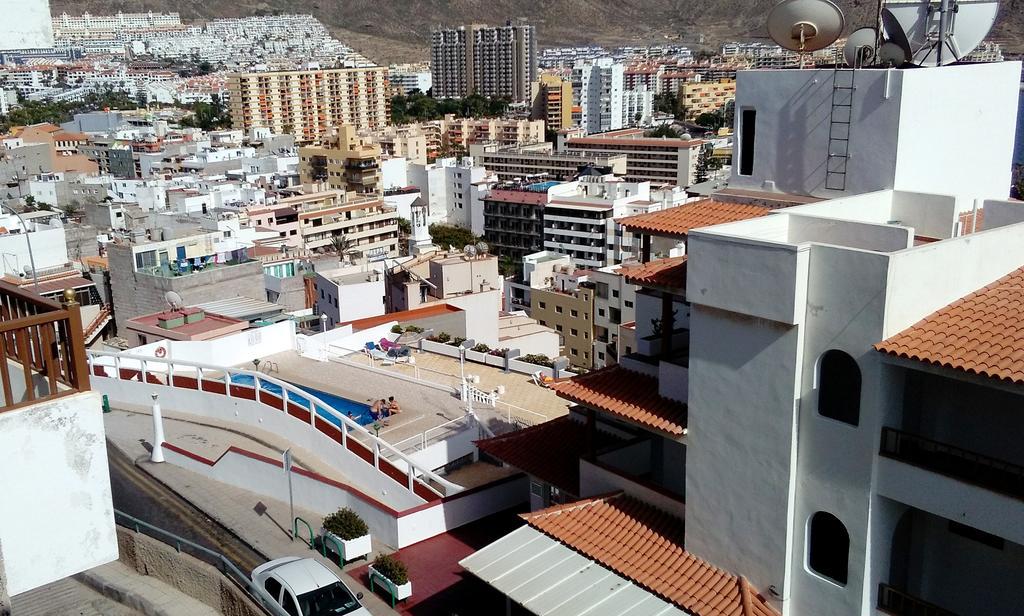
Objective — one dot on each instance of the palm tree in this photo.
(343, 246)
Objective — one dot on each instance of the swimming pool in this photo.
(357, 411)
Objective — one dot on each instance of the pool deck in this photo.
(424, 406)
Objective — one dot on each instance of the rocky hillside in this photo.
(387, 28)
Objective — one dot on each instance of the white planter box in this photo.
(350, 549)
(398, 593)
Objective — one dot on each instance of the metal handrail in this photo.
(228, 568)
(316, 405)
(422, 436)
(893, 601)
(295, 531)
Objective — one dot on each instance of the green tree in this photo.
(507, 266)
(665, 130)
(451, 235)
(711, 120)
(343, 246)
(701, 173)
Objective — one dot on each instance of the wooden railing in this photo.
(42, 352)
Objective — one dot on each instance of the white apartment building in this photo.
(450, 187)
(849, 377)
(638, 107)
(68, 26)
(614, 305)
(597, 89)
(490, 61)
(349, 293)
(41, 241)
(405, 78)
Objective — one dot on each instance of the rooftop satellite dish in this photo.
(805, 25)
(470, 250)
(893, 33)
(482, 247)
(860, 47)
(174, 300)
(940, 32)
(892, 54)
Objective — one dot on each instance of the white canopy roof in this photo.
(551, 579)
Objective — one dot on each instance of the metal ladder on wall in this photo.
(840, 120)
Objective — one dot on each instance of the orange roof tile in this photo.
(645, 545)
(678, 221)
(627, 394)
(550, 451)
(669, 273)
(979, 334)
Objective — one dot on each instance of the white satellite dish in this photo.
(860, 47)
(174, 300)
(470, 250)
(939, 32)
(482, 247)
(805, 25)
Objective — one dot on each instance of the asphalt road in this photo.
(139, 495)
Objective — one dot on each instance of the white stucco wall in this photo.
(49, 249)
(56, 513)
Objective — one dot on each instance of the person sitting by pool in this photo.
(378, 409)
(393, 408)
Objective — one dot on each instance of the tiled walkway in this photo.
(439, 584)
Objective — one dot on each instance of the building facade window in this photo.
(828, 547)
(839, 387)
(748, 124)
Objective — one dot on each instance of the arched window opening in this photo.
(839, 387)
(828, 547)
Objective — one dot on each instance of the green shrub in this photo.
(346, 524)
(457, 340)
(391, 568)
(481, 348)
(416, 329)
(396, 329)
(538, 359)
(443, 338)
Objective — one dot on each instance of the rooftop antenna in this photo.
(860, 47)
(805, 25)
(938, 32)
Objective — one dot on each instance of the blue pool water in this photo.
(356, 410)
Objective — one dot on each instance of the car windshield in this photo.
(328, 601)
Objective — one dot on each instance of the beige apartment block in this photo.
(343, 161)
(308, 103)
(571, 314)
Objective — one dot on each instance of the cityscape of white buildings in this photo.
(791, 385)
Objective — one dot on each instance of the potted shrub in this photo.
(392, 574)
(349, 531)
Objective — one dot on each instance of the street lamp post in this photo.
(463, 347)
(323, 329)
(31, 257)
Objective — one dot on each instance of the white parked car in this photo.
(305, 587)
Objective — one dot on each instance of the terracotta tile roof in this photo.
(971, 222)
(669, 272)
(550, 451)
(635, 142)
(404, 316)
(979, 334)
(645, 545)
(678, 221)
(627, 394)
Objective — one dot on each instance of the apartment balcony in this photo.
(952, 482)
(899, 603)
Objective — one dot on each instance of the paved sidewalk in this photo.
(67, 597)
(235, 508)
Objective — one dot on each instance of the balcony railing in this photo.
(899, 603)
(42, 353)
(975, 468)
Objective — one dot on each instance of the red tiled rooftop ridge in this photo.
(678, 221)
(645, 545)
(530, 197)
(670, 272)
(627, 394)
(981, 333)
(550, 451)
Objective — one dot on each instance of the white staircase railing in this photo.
(145, 366)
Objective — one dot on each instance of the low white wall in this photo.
(356, 341)
(232, 350)
(453, 446)
(673, 381)
(596, 480)
(56, 513)
(262, 477)
(397, 529)
(249, 413)
(462, 508)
